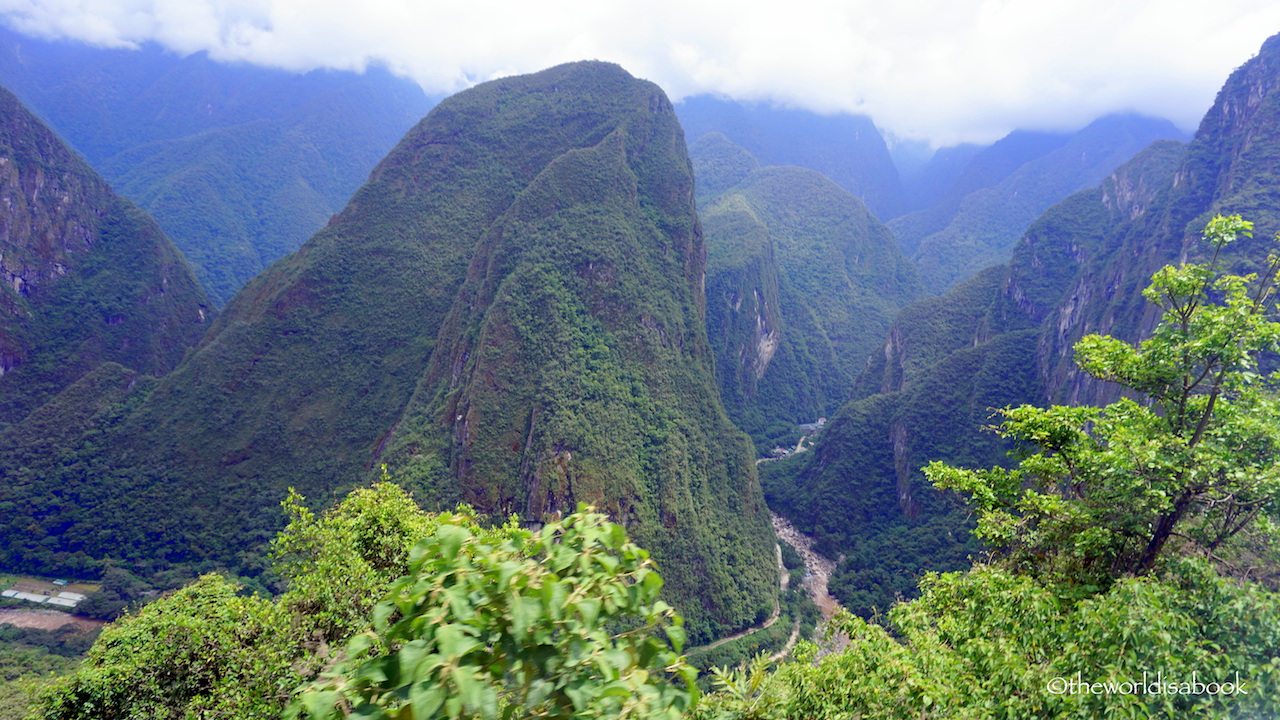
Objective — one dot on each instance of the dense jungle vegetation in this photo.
(1132, 545)
(531, 319)
(515, 293)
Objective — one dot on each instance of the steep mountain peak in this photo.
(1235, 157)
(510, 312)
(85, 277)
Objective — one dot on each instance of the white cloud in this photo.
(946, 70)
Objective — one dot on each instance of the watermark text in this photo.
(1151, 684)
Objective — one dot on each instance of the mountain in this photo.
(1006, 336)
(954, 173)
(1005, 187)
(239, 164)
(802, 284)
(88, 279)
(946, 362)
(848, 149)
(508, 313)
(927, 183)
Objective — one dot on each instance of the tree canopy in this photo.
(1129, 550)
(396, 613)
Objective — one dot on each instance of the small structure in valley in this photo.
(813, 426)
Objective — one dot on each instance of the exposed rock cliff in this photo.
(85, 277)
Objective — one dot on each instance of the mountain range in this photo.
(238, 164)
(1007, 335)
(544, 295)
(508, 313)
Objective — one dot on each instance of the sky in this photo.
(942, 71)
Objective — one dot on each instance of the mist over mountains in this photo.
(239, 164)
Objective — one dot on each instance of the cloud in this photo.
(946, 71)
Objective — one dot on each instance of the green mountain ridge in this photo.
(238, 164)
(802, 284)
(848, 149)
(946, 363)
(984, 223)
(1006, 337)
(524, 267)
(88, 278)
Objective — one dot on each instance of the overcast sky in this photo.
(943, 70)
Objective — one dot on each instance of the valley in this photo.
(337, 425)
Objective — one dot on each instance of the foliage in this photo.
(339, 565)
(1094, 535)
(207, 650)
(565, 619)
(991, 644)
(797, 616)
(31, 658)
(575, 339)
(202, 652)
(515, 625)
(1102, 491)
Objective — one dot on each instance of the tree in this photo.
(210, 651)
(1107, 540)
(1190, 455)
(559, 623)
(440, 617)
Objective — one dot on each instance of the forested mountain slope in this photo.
(1007, 336)
(802, 284)
(1000, 338)
(979, 221)
(509, 313)
(85, 277)
(966, 170)
(238, 164)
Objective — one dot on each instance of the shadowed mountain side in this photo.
(802, 285)
(978, 168)
(849, 149)
(987, 222)
(718, 165)
(87, 278)
(239, 164)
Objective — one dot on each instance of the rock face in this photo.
(1231, 166)
(85, 277)
(509, 313)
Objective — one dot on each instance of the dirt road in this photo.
(783, 578)
(45, 619)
